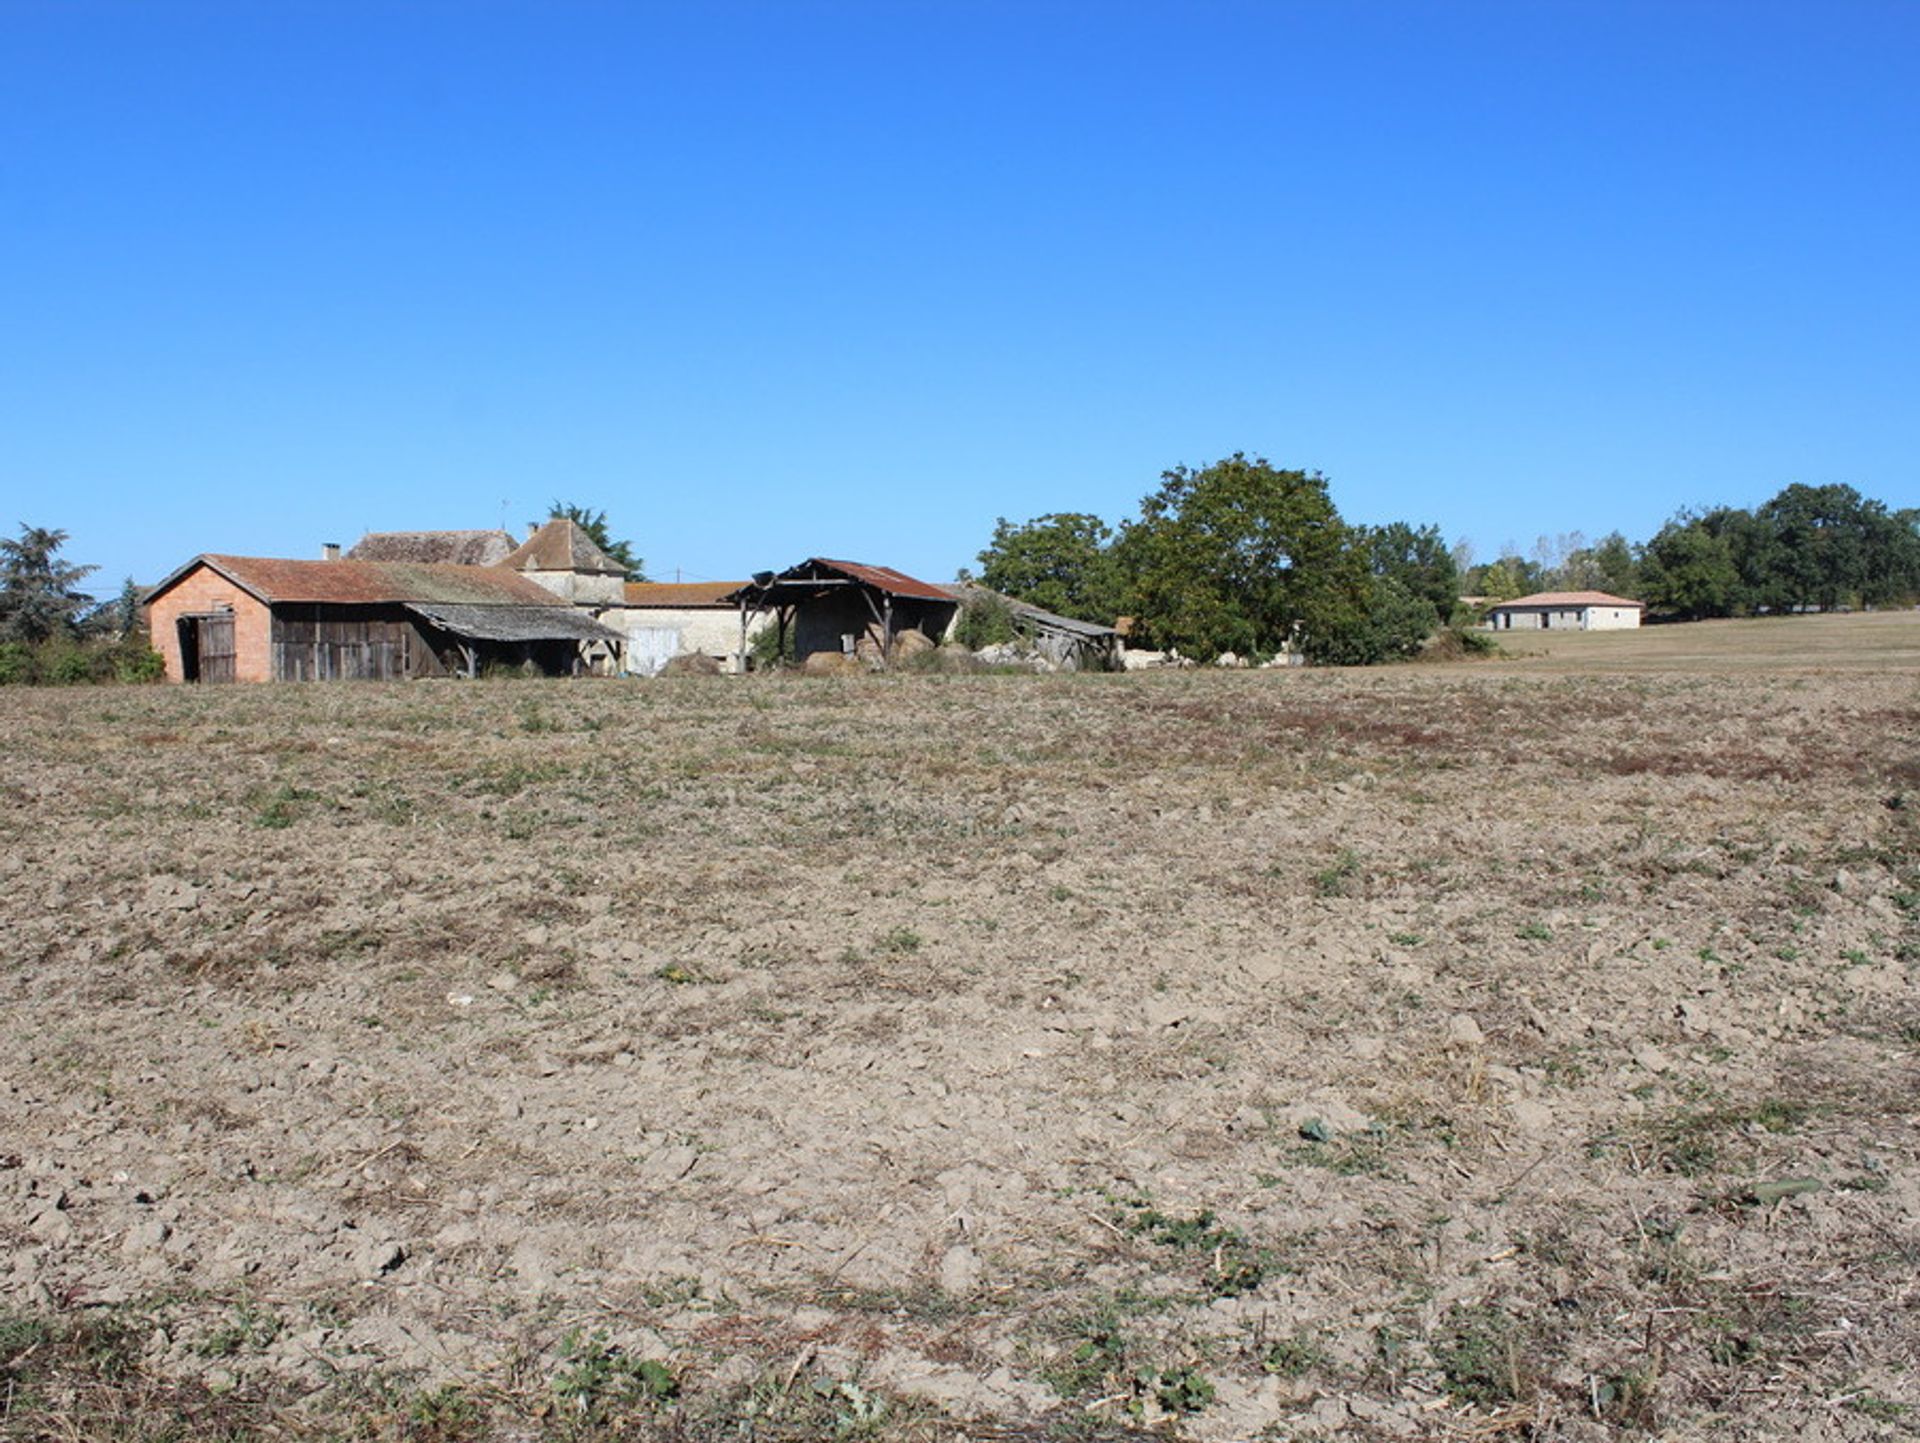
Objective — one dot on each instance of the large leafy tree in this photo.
(1418, 561)
(1245, 557)
(40, 594)
(1691, 569)
(594, 523)
(1062, 562)
(1828, 546)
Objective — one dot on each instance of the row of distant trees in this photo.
(1809, 548)
(1245, 557)
(1241, 557)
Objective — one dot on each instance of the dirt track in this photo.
(1355, 1054)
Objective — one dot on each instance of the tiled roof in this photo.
(561, 545)
(1568, 598)
(370, 583)
(681, 593)
(462, 548)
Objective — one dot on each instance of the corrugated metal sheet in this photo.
(682, 593)
(513, 623)
(1046, 620)
(886, 579)
(793, 581)
(372, 583)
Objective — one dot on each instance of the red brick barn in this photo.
(254, 618)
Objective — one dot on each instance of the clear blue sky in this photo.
(787, 278)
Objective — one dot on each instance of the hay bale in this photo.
(910, 643)
(830, 663)
(691, 664)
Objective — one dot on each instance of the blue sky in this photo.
(778, 279)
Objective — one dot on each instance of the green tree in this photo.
(1829, 546)
(1503, 578)
(594, 523)
(1689, 569)
(40, 594)
(1062, 562)
(1244, 557)
(1615, 568)
(1418, 561)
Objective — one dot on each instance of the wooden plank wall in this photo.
(332, 644)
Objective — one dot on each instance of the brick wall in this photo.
(204, 589)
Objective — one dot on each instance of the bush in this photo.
(137, 665)
(765, 653)
(984, 621)
(1387, 623)
(77, 661)
(16, 663)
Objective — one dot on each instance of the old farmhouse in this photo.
(1565, 611)
(251, 618)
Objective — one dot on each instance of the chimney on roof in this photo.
(330, 551)
(533, 529)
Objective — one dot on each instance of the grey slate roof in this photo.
(514, 623)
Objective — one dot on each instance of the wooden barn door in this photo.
(214, 637)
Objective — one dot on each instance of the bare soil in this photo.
(1426, 1052)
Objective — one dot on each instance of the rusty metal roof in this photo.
(681, 593)
(887, 579)
(1568, 598)
(369, 583)
(819, 570)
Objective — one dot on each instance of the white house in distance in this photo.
(1565, 611)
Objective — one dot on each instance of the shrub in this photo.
(984, 621)
(765, 653)
(16, 663)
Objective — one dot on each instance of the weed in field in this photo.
(1483, 1354)
(248, 1331)
(1294, 1356)
(899, 942)
(1341, 878)
(1535, 932)
(445, 1415)
(599, 1383)
(679, 974)
(281, 807)
(1234, 1265)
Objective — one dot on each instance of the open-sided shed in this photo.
(1065, 641)
(253, 618)
(845, 606)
